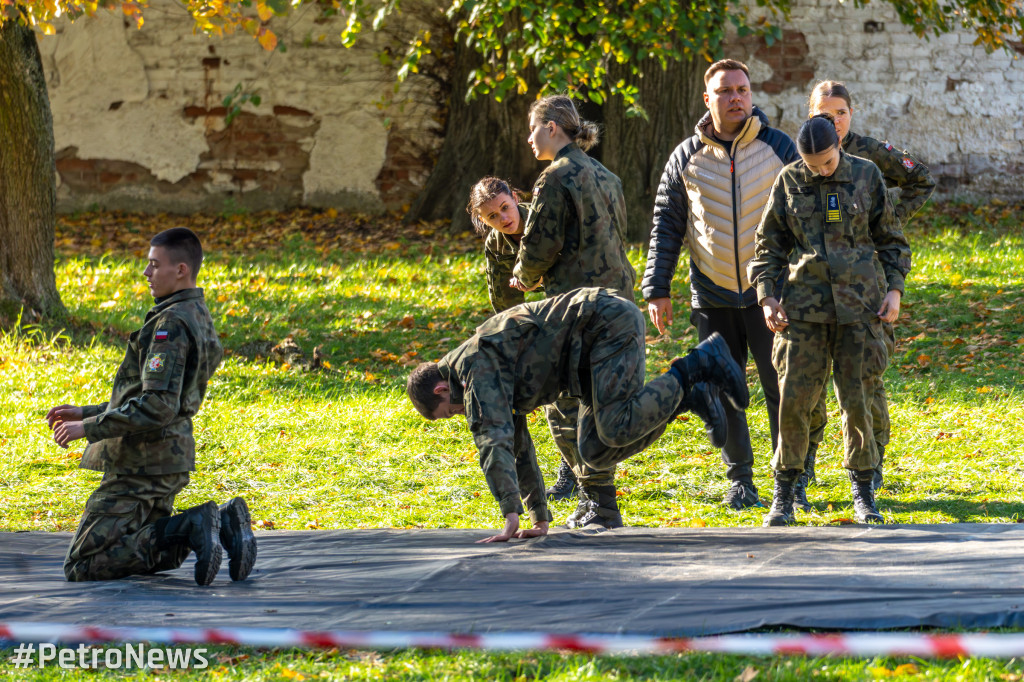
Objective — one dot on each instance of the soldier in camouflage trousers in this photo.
(829, 227)
(142, 440)
(574, 237)
(909, 184)
(587, 344)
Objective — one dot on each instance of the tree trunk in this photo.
(636, 149)
(28, 192)
(482, 137)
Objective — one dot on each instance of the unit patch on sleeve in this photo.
(161, 335)
(155, 362)
(888, 146)
(908, 164)
(833, 213)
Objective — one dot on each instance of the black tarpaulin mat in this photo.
(632, 580)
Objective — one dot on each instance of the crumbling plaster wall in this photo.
(945, 99)
(139, 123)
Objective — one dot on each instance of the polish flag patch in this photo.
(160, 336)
(888, 146)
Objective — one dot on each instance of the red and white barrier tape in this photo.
(855, 644)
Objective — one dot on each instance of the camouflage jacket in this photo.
(575, 233)
(500, 251)
(146, 428)
(839, 239)
(899, 168)
(517, 361)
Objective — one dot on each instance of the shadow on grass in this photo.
(960, 510)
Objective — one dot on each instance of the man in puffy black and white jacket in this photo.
(711, 197)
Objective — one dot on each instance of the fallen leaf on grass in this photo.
(384, 356)
(407, 322)
(843, 521)
(265, 524)
(748, 674)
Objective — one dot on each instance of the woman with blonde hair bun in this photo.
(574, 237)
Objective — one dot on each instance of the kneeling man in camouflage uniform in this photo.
(587, 344)
(142, 440)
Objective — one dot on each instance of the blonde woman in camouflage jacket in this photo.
(910, 184)
(574, 237)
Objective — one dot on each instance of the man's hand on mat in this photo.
(511, 526)
(511, 530)
(540, 529)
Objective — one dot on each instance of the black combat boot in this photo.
(565, 487)
(809, 459)
(703, 400)
(237, 538)
(597, 506)
(877, 479)
(864, 497)
(782, 513)
(199, 528)
(710, 361)
(800, 492)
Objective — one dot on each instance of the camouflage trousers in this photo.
(115, 537)
(619, 415)
(563, 416)
(879, 402)
(802, 354)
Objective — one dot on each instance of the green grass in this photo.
(341, 447)
(410, 666)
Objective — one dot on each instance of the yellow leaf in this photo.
(332, 213)
(267, 38)
(265, 12)
(46, 28)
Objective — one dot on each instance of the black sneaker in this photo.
(703, 400)
(237, 537)
(565, 486)
(711, 361)
(742, 495)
